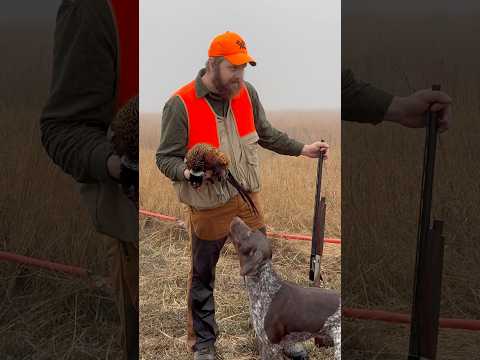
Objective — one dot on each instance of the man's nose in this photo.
(239, 72)
(237, 79)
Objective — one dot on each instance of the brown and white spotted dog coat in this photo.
(282, 312)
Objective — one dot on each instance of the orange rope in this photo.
(44, 264)
(269, 233)
(387, 316)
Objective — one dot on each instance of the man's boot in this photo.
(295, 351)
(206, 353)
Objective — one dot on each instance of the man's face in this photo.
(228, 78)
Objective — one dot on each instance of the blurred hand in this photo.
(315, 149)
(410, 111)
(208, 175)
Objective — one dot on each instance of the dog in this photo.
(282, 312)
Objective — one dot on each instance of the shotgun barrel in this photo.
(429, 259)
(318, 232)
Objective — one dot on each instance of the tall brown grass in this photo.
(382, 169)
(288, 188)
(43, 315)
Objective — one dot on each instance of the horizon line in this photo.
(274, 110)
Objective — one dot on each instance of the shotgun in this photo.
(429, 259)
(318, 232)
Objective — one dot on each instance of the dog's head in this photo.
(253, 247)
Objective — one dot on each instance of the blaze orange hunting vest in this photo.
(202, 121)
(125, 13)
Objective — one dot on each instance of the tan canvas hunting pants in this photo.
(124, 262)
(208, 232)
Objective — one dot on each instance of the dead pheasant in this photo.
(125, 144)
(204, 157)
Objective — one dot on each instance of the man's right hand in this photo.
(186, 174)
(208, 175)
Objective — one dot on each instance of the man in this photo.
(363, 102)
(221, 109)
(95, 72)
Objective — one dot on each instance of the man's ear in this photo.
(210, 65)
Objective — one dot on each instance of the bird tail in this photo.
(243, 193)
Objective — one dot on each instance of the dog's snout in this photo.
(236, 221)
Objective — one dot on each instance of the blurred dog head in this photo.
(253, 247)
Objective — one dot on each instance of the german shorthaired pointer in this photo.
(282, 312)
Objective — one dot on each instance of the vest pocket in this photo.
(251, 164)
(112, 213)
(251, 153)
(209, 196)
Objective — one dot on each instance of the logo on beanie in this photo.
(241, 44)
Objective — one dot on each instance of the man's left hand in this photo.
(315, 149)
(410, 111)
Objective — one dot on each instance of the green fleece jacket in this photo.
(174, 136)
(362, 102)
(81, 105)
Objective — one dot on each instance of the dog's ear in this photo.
(232, 238)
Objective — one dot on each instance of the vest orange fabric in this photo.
(126, 18)
(202, 122)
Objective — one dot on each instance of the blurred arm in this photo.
(80, 105)
(173, 140)
(362, 102)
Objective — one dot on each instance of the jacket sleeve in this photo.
(80, 106)
(173, 140)
(269, 137)
(362, 102)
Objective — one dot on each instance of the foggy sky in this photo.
(29, 10)
(296, 46)
(410, 7)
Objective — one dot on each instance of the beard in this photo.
(226, 90)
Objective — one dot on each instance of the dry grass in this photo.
(382, 182)
(288, 194)
(43, 315)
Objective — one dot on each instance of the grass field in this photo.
(288, 186)
(382, 168)
(44, 315)
(50, 316)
